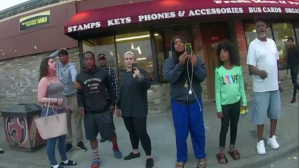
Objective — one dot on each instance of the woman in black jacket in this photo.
(132, 106)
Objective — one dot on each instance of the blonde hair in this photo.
(131, 53)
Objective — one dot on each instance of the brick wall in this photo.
(158, 98)
(242, 46)
(199, 50)
(19, 78)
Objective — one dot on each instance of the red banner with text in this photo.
(171, 9)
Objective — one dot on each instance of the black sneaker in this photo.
(149, 163)
(81, 146)
(104, 139)
(69, 147)
(1, 151)
(132, 156)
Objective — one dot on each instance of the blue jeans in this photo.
(294, 74)
(189, 118)
(51, 143)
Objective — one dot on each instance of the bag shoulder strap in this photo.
(48, 106)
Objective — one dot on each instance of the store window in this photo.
(297, 32)
(104, 45)
(160, 55)
(140, 45)
(282, 31)
(250, 32)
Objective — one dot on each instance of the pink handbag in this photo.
(52, 126)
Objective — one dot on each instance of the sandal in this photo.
(202, 163)
(69, 163)
(221, 157)
(234, 154)
(179, 165)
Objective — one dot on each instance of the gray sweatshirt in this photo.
(177, 76)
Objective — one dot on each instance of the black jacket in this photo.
(293, 56)
(93, 96)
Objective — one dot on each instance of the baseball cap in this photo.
(260, 18)
(101, 56)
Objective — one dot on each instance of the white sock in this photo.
(66, 162)
(55, 166)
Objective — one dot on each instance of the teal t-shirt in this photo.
(229, 86)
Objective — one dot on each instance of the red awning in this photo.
(168, 9)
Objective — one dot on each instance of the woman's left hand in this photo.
(193, 60)
(137, 72)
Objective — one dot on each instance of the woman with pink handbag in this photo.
(53, 118)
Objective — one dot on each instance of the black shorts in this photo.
(98, 122)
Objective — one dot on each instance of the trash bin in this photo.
(20, 129)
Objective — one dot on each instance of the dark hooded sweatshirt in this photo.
(293, 56)
(133, 95)
(177, 76)
(93, 96)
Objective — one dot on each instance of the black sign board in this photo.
(34, 21)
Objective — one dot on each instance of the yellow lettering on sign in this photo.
(35, 22)
(29, 23)
(42, 20)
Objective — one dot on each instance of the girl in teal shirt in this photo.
(229, 88)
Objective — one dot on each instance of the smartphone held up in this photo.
(188, 49)
(134, 67)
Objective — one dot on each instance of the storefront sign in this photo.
(36, 20)
(292, 2)
(267, 6)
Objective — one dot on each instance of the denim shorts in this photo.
(51, 112)
(265, 104)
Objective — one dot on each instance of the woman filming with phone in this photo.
(185, 72)
(132, 106)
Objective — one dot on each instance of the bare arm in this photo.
(254, 70)
(42, 90)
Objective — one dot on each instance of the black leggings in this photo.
(231, 115)
(136, 127)
(294, 74)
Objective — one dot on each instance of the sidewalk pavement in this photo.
(160, 129)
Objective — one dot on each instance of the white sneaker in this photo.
(273, 142)
(260, 147)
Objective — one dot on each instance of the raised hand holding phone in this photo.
(137, 73)
(135, 70)
(188, 49)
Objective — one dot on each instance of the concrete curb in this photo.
(273, 155)
(255, 161)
